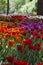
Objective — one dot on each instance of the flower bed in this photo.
(22, 44)
(19, 43)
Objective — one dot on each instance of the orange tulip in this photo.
(18, 39)
(6, 35)
(10, 43)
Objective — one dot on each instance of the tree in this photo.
(29, 7)
(3, 5)
(23, 6)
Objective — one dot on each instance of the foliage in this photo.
(20, 6)
(2, 5)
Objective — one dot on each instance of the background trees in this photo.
(23, 6)
(2, 6)
(20, 6)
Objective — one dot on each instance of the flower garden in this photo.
(21, 41)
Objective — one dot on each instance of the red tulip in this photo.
(20, 62)
(18, 17)
(10, 58)
(19, 47)
(39, 63)
(41, 31)
(35, 33)
(24, 33)
(27, 41)
(38, 46)
(41, 37)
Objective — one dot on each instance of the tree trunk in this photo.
(7, 7)
(40, 7)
